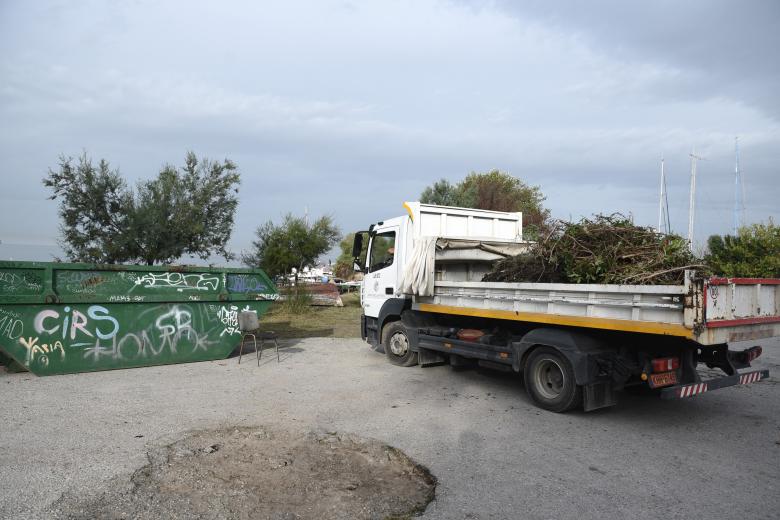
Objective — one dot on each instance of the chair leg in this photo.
(276, 343)
(241, 348)
(258, 353)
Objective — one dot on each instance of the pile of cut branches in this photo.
(603, 249)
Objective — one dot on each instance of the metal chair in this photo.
(248, 323)
(269, 335)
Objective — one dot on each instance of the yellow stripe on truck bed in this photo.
(646, 327)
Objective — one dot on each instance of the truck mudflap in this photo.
(689, 390)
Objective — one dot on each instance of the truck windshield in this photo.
(382, 250)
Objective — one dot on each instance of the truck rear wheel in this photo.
(397, 346)
(549, 380)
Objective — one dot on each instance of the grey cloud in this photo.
(350, 111)
(711, 47)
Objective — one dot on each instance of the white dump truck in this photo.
(424, 302)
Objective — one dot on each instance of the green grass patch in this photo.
(297, 302)
(315, 321)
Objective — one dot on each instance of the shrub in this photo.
(297, 300)
(753, 253)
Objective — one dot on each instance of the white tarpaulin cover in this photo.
(418, 275)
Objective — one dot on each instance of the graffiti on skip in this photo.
(142, 345)
(92, 333)
(15, 283)
(170, 328)
(79, 282)
(11, 326)
(72, 321)
(97, 333)
(229, 318)
(123, 298)
(174, 322)
(244, 283)
(39, 353)
(179, 281)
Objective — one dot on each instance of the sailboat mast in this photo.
(661, 197)
(737, 185)
(692, 201)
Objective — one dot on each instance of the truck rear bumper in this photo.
(689, 390)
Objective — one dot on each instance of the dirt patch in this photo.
(262, 473)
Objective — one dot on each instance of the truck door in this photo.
(381, 276)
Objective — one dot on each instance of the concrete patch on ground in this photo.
(247, 473)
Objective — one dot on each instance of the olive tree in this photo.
(187, 210)
(292, 243)
(494, 190)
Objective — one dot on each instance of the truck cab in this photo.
(384, 252)
(384, 261)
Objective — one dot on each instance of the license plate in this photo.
(663, 379)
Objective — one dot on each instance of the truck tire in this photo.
(549, 380)
(397, 346)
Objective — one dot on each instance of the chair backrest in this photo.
(248, 320)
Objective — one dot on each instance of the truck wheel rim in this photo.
(549, 378)
(399, 344)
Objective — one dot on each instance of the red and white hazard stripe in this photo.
(687, 391)
(745, 379)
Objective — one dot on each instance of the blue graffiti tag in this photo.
(242, 283)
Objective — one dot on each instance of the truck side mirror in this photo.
(357, 251)
(357, 244)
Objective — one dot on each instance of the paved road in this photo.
(495, 454)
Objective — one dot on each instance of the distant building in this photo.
(313, 274)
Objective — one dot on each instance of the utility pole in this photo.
(692, 202)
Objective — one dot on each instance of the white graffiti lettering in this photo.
(48, 322)
(12, 282)
(229, 318)
(173, 325)
(179, 281)
(138, 346)
(11, 327)
(122, 298)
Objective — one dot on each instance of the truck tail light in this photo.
(665, 364)
(752, 353)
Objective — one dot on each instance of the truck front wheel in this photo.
(397, 346)
(549, 380)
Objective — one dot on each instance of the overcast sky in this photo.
(350, 108)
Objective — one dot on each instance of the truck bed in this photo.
(707, 311)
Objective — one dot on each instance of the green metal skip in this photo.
(59, 318)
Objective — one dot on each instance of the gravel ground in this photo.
(494, 454)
